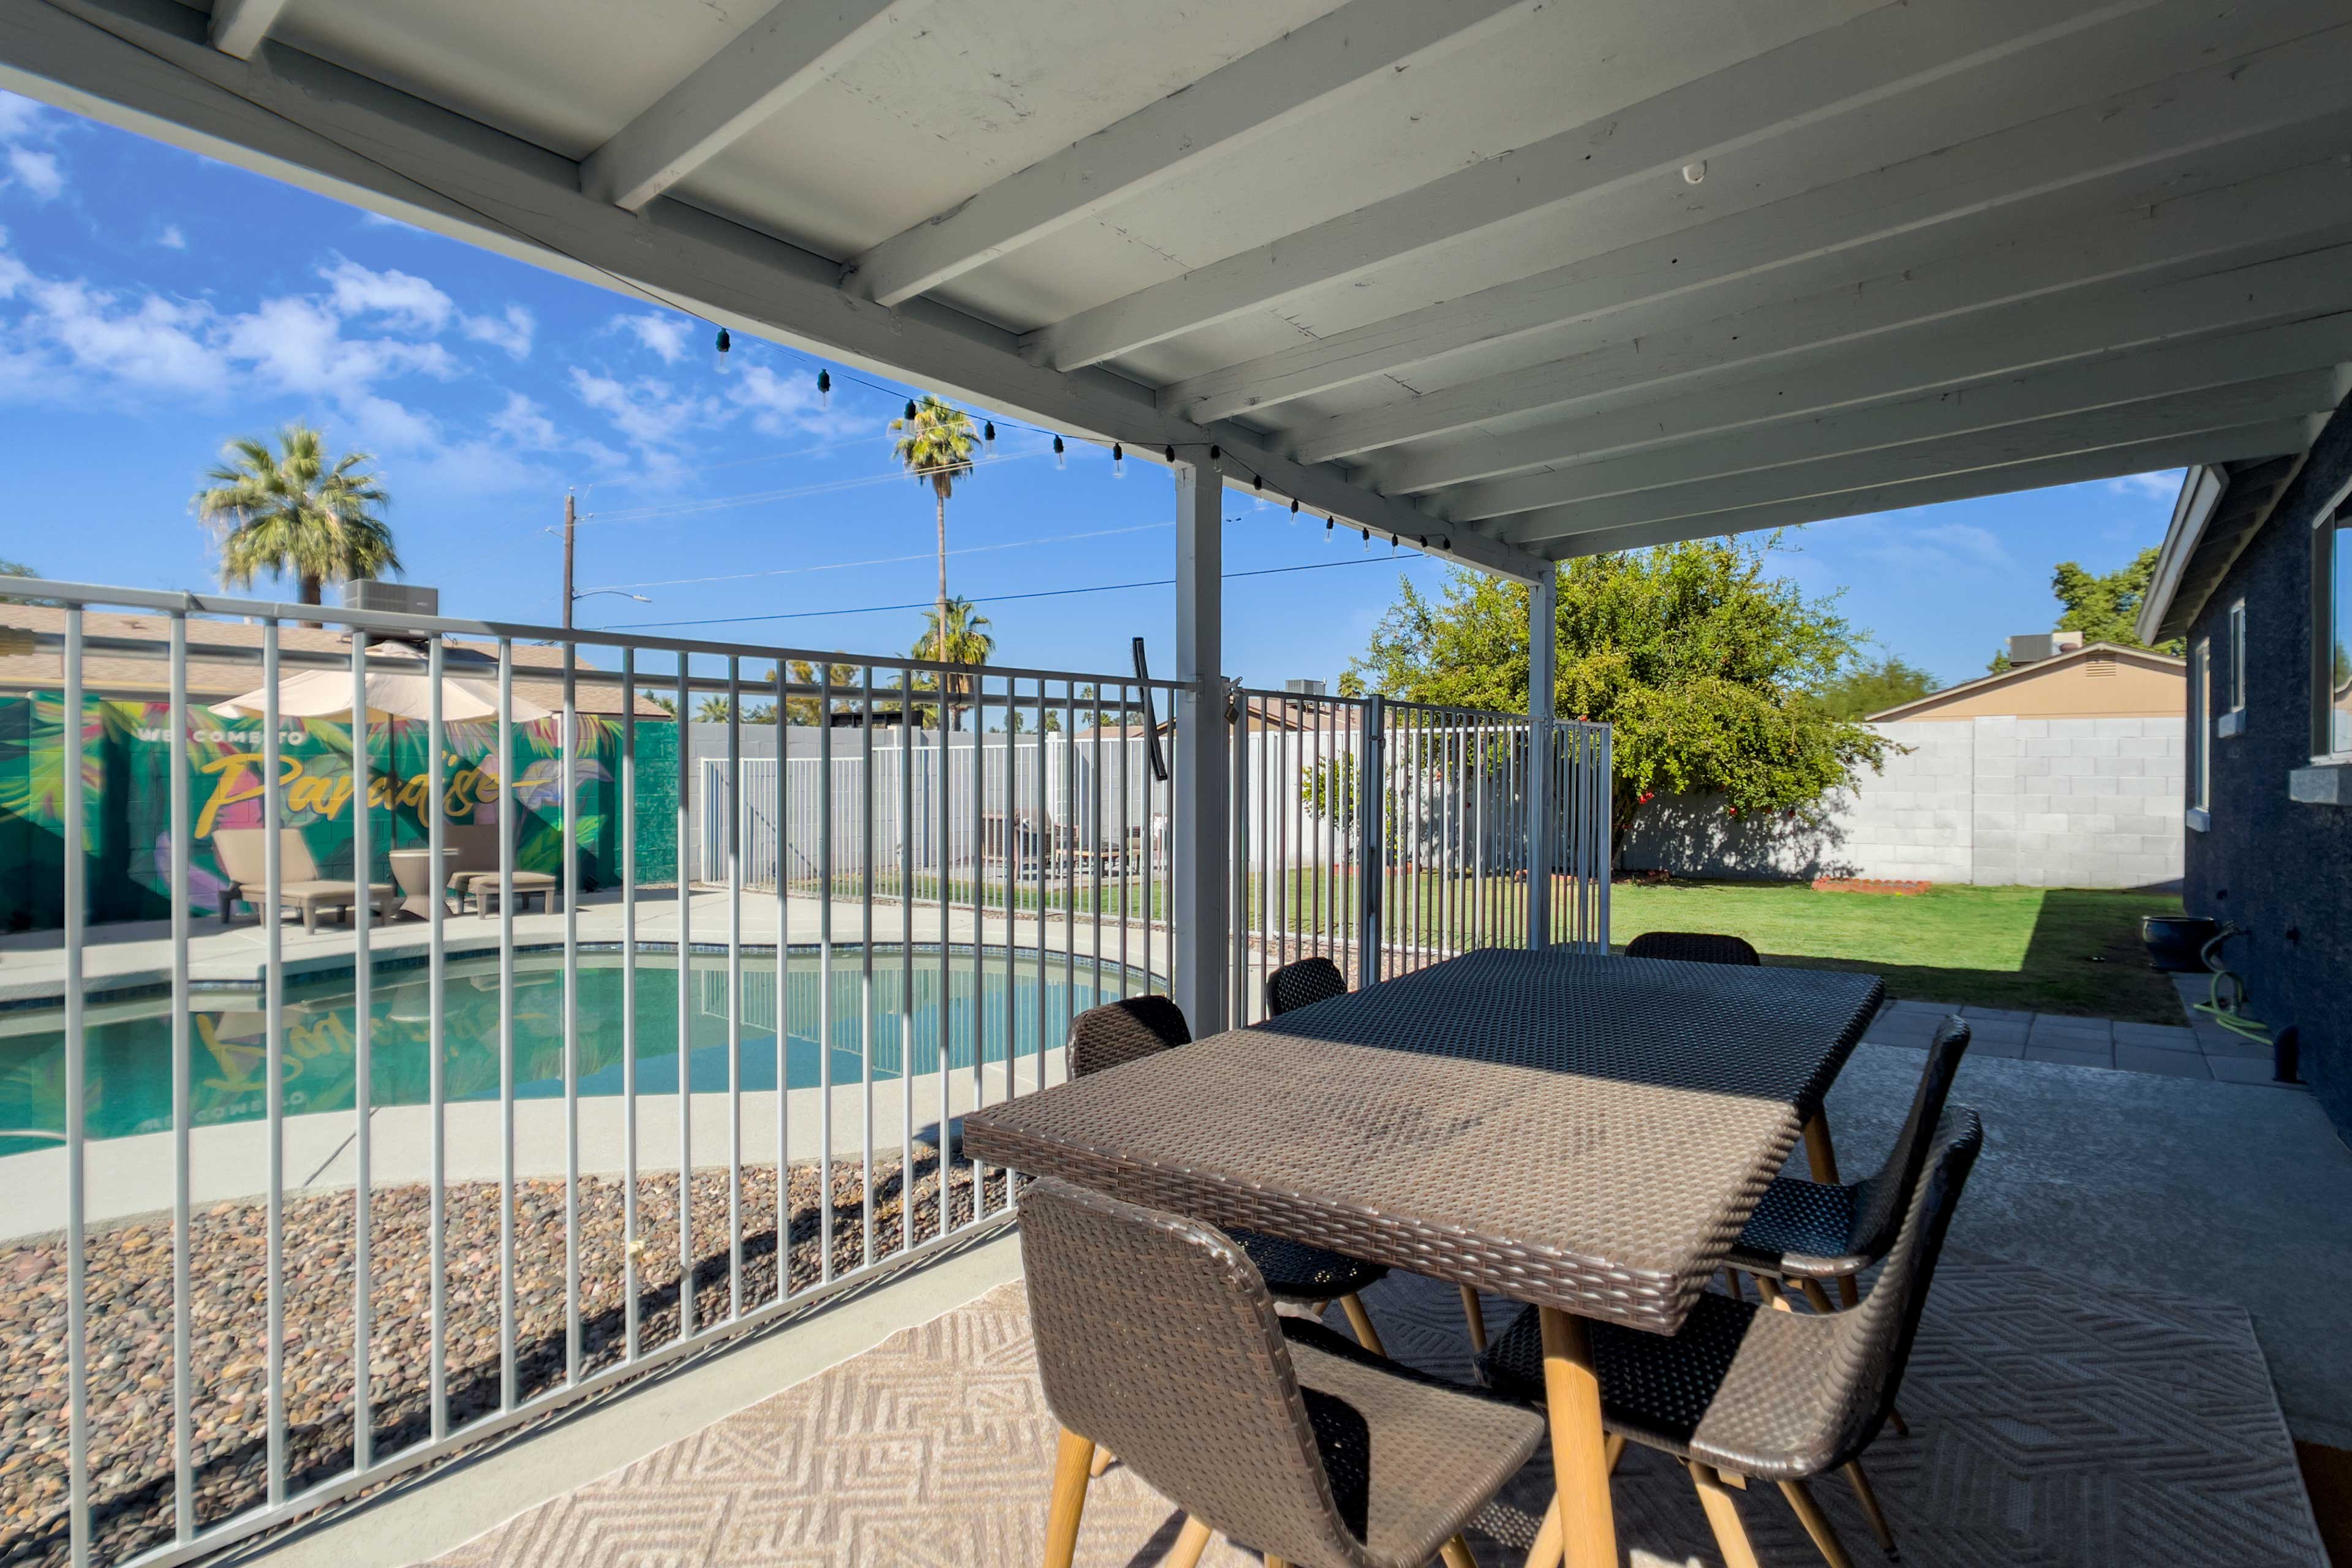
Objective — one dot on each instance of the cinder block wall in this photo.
(2058, 803)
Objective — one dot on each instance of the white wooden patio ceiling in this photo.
(1531, 279)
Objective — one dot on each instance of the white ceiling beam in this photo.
(2268, 401)
(1881, 53)
(771, 62)
(1302, 73)
(1760, 230)
(146, 66)
(2067, 389)
(240, 26)
(1946, 355)
(2135, 458)
(2236, 221)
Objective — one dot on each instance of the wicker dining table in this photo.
(1584, 1133)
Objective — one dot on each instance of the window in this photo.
(2232, 720)
(2331, 639)
(2201, 738)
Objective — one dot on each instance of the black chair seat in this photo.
(1294, 1271)
(1801, 1230)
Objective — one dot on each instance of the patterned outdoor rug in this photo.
(2051, 1425)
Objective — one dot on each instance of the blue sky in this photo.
(155, 304)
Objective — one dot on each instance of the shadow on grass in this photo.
(2083, 957)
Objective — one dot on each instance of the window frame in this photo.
(2232, 720)
(2199, 814)
(2331, 623)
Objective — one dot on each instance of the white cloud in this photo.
(410, 301)
(650, 413)
(35, 173)
(664, 335)
(298, 343)
(172, 238)
(2162, 486)
(1904, 541)
(385, 425)
(525, 424)
(511, 330)
(17, 115)
(157, 344)
(779, 405)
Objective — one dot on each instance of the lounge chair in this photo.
(301, 888)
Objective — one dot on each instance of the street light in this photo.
(592, 592)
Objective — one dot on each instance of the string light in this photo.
(988, 431)
(1368, 539)
(1326, 524)
(1258, 483)
(1118, 461)
(1061, 457)
(1294, 506)
(1169, 453)
(725, 344)
(824, 389)
(911, 411)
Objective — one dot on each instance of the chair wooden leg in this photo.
(1361, 1322)
(1819, 1298)
(1773, 1296)
(1545, 1553)
(1817, 1524)
(1475, 1315)
(1821, 1154)
(1732, 1283)
(1614, 1450)
(1072, 1459)
(1104, 1460)
(1455, 1553)
(1723, 1517)
(1191, 1541)
(1868, 1496)
(1894, 1419)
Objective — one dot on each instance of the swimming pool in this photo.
(129, 1080)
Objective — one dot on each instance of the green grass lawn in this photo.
(2058, 950)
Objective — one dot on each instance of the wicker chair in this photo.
(1119, 1032)
(1693, 947)
(1156, 1336)
(1302, 984)
(1744, 1390)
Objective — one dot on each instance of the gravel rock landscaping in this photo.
(130, 1318)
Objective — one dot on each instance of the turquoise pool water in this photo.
(129, 1080)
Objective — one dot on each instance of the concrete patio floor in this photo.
(2125, 1185)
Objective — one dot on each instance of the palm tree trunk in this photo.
(940, 640)
(307, 593)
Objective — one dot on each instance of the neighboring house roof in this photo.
(2076, 684)
(137, 674)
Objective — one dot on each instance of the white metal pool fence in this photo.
(1016, 847)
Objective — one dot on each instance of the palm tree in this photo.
(956, 633)
(937, 449)
(294, 514)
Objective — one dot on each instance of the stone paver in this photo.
(2197, 1048)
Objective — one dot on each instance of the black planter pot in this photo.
(2176, 944)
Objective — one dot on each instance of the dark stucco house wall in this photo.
(2280, 867)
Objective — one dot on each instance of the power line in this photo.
(989, 599)
(893, 559)
(683, 509)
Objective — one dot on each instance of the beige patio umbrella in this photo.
(391, 693)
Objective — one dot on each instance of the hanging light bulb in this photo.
(1294, 506)
(1392, 544)
(987, 430)
(1169, 453)
(911, 411)
(725, 344)
(1061, 457)
(1422, 540)
(824, 389)
(1118, 461)
(1368, 539)
(1326, 524)
(1258, 483)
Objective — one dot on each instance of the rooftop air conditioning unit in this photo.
(2034, 646)
(392, 598)
(1302, 687)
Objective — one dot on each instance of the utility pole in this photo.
(569, 526)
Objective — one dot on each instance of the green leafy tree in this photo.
(2106, 608)
(1706, 665)
(966, 640)
(714, 710)
(1862, 689)
(805, 710)
(19, 569)
(936, 447)
(297, 513)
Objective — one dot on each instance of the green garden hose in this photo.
(2224, 1011)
